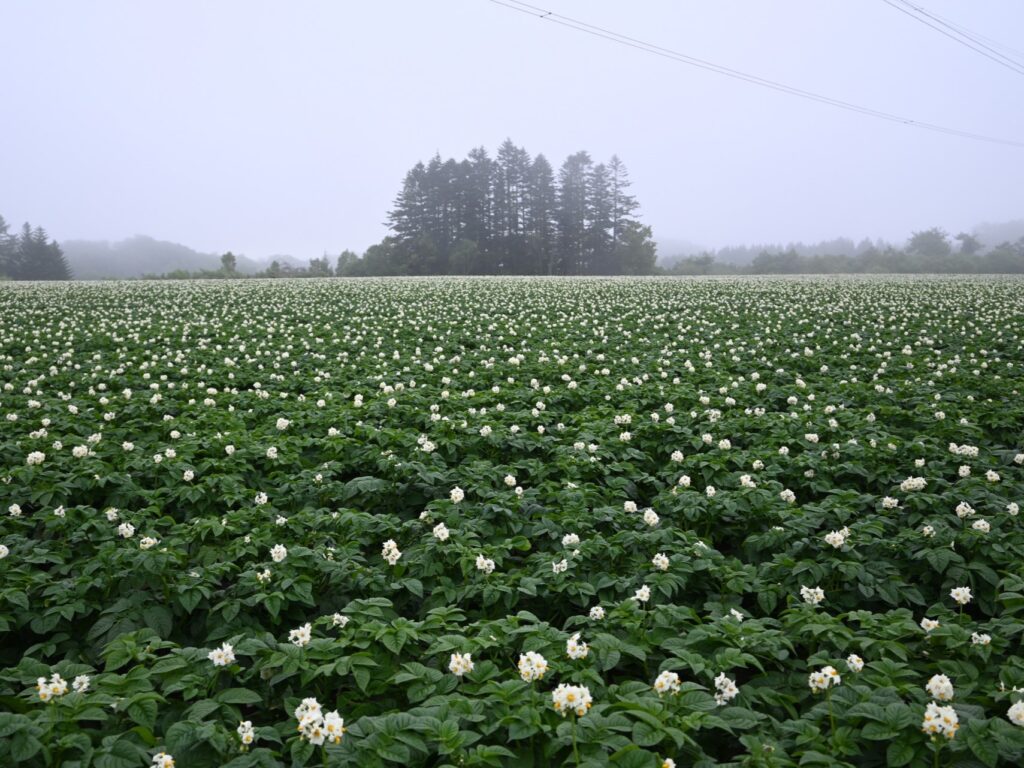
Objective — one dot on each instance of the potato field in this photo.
(512, 522)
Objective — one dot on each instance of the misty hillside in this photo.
(993, 234)
(142, 255)
(673, 250)
(670, 248)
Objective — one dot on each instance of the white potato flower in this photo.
(823, 679)
(576, 648)
(725, 689)
(1016, 713)
(812, 595)
(961, 595)
(246, 734)
(667, 683)
(302, 635)
(571, 698)
(940, 688)
(222, 656)
(460, 664)
(940, 721)
(532, 666)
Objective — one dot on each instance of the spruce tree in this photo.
(540, 216)
(572, 214)
(8, 248)
(600, 254)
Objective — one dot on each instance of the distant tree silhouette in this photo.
(31, 255)
(229, 263)
(508, 215)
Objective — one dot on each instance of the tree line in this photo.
(511, 214)
(30, 255)
(929, 251)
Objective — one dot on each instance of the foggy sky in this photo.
(273, 127)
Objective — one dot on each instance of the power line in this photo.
(973, 35)
(976, 37)
(606, 34)
(956, 36)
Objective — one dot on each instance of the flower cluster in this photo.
(940, 687)
(823, 679)
(460, 664)
(812, 595)
(961, 595)
(246, 734)
(222, 656)
(940, 721)
(571, 698)
(532, 666)
(913, 484)
(54, 687)
(301, 636)
(316, 726)
(725, 690)
(837, 538)
(390, 552)
(667, 683)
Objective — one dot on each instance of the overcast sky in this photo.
(286, 127)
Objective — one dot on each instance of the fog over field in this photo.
(511, 384)
(271, 128)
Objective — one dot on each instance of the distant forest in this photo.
(30, 255)
(932, 251)
(512, 215)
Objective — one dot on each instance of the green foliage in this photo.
(562, 410)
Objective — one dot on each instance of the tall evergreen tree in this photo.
(540, 216)
(572, 214)
(511, 192)
(598, 245)
(478, 212)
(623, 204)
(8, 249)
(408, 216)
(37, 257)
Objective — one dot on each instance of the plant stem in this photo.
(575, 751)
(831, 716)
